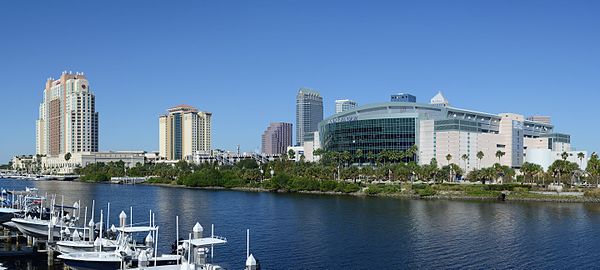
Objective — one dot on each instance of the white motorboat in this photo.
(126, 254)
(41, 228)
(194, 254)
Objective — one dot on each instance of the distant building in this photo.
(309, 112)
(440, 131)
(342, 105)
(60, 165)
(540, 119)
(68, 121)
(403, 97)
(277, 138)
(183, 131)
(545, 157)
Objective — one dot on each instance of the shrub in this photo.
(424, 192)
(328, 185)
(592, 193)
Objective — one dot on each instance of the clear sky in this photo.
(245, 60)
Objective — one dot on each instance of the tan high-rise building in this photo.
(183, 131)
(68, 121)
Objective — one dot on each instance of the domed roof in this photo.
(250, 261)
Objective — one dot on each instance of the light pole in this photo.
(262, 174)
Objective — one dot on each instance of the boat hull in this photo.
(38, 229)
(97, 261)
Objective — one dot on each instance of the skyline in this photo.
(228, 67)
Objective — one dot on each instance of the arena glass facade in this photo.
(370, 135)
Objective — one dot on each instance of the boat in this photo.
(56, 226)
(126, 254)
(195, 252)
(40, 228)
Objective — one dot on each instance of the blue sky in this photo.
(245, 60)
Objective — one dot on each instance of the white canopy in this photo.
(207, 241)
(137, 229)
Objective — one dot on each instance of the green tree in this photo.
(448, 158)
(480, 156)
(593, 167)
(67, 156)
(291, 154)
(359, 155)
(581, 156)
(530, 170)
(464, 158)
(499, 155)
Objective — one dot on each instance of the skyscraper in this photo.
(342, 105)
(309, 112)
(183, 131)
(277, 138)
(68, 121)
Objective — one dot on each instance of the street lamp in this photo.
(262, 172)
(272, 172)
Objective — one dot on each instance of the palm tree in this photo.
(346, 157)
(499, 155)
(480, 156)
(564, 156)
(448, 158)
(292, 154)
(464, 158)
(359, 154)
(580, 156)
(371, 157)
(412, 152)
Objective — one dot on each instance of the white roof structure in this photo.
(207, 241)
(137, 229)
(440, 100)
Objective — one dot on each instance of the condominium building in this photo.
(277, 138)
(442, 132)
(68, 121)
(309, 112)
(183, 131)
(342, 105)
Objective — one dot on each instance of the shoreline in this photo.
(400, 196)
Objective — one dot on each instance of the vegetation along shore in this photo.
(391, 174)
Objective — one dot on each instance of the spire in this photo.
(440, 100)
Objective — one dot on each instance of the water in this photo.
(293, 231)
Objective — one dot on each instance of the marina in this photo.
(72, 241)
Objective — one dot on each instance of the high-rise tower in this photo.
(309, 112)
(183, 131)
(68, 121)
(277, 138)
